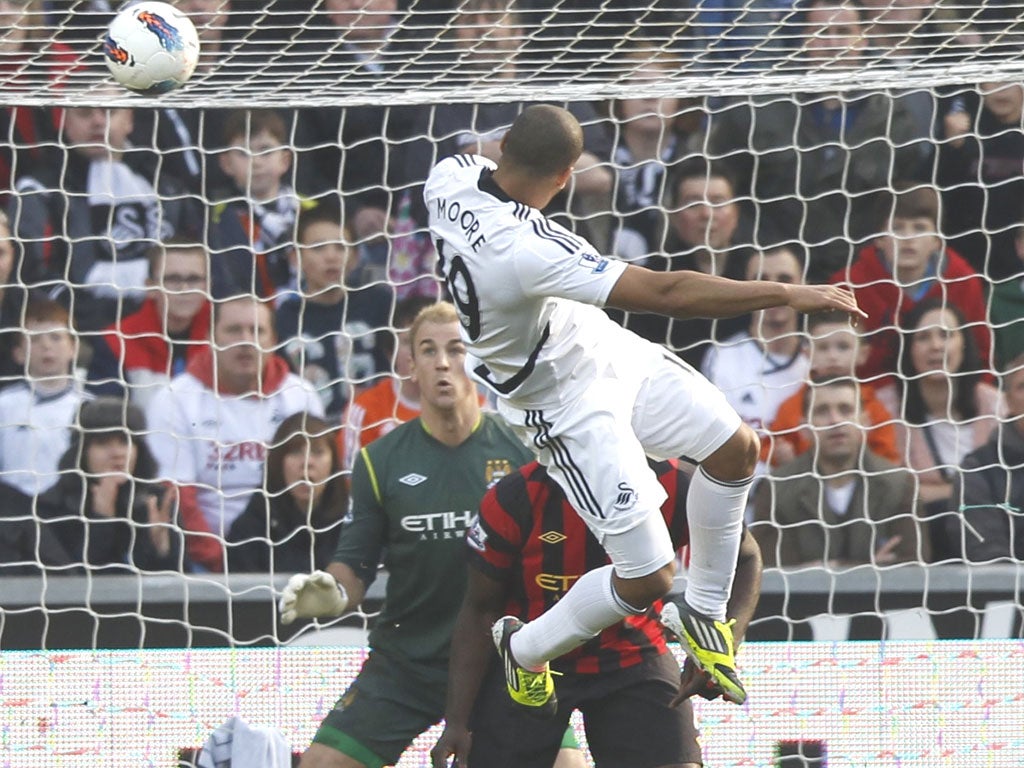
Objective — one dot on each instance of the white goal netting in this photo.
(878, 144)
(279, 53)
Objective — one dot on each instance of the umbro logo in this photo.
(412, 479)
(552, 537)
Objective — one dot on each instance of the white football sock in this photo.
(589, 606)
(714, 511)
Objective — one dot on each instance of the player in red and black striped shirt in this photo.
(526, 549)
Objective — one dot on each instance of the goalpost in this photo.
(816, 119)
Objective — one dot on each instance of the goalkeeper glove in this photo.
(312, 595)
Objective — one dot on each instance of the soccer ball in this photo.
(151, 48)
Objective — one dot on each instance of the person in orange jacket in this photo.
(836, 351)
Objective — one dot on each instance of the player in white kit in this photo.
(593, 399)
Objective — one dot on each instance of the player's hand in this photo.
(817, 298)
(454, 742)
(312, 595)
(695, 682)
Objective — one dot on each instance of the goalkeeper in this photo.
(415, 492)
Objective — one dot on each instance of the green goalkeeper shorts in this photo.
(382, 712)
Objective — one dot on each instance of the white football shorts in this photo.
(595, 446)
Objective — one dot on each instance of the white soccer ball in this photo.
(151, 48)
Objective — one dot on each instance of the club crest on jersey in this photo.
(593, 262)
(496, 469)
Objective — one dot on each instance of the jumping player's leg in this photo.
(714, 511)
(596, 449)
(590, 450)
(681, 413)
(596, 600)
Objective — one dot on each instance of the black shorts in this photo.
(626, 715)
(382, 712)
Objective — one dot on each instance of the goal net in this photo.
(879, 145)
(283, 53)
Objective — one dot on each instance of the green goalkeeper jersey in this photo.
(413, 499)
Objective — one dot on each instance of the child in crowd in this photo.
(903, 268)
(760, 367)
(87, 219)
(330, 331)
(251, 226)
(37, 413)
(836, 349)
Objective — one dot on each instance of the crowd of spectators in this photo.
(202, 311)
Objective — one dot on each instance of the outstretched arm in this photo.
(689, 293)
(471, 651)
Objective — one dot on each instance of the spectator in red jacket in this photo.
(150, 346)
(907, 265)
